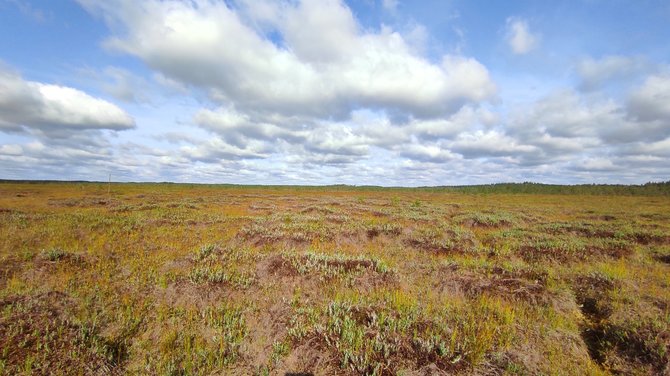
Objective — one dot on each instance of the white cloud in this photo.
(519, 37)
(465, 119)
(48, 107)
(568, 114)
(489, 143)
(651, 101)
(658, 148)
(11, 149)
(428, 153)
(324, 65)
(596, 164)
(216, 150)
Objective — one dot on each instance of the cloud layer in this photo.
(260, 91)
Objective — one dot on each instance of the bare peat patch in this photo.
(38, 333)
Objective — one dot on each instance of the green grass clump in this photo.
(372, 338)
(205, 251)
(53, 254)
(335, 265)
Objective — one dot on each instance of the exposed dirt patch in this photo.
(486, 220)
(510, 287)
(501, 364)
(286, 235)
(622, 348)
(267, 327)
(275, 266)
(628, 350)
(591, 292)
(443, 243)
(473, 222)
(44, 265)
(388, 229)
(427, 370)
(178, 265)
(580, 229)
(526, 285)
(8, 267)
(40, 330)
(646, 237)
(306, 359)
(317, 210)
(183, 293)
(52, 259)
(564, 250)
(663, 258)
(8, 211)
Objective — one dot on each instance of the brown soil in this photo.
(307, 359)
(664, 259)
(523, 285)
(184, 293)
(8, 267)
(274, 266)
(42, 327)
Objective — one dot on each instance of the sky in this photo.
(316, 92)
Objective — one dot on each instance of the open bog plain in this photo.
(171, 279)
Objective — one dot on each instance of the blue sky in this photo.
(384, 92)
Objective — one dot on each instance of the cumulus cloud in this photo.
(489, 143)
(50, 108)
(428, 153)
(655, 149)
(568, 114)
(346, 141)
(596, 164)
(563, 127)
(67, 130)
(324, 64)
(519, 37)
(216, 150)
(651, 101)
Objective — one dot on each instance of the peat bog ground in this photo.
(171, 279)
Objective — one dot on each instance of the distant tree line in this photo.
(647, 189)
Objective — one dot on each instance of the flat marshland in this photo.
(173, 279)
